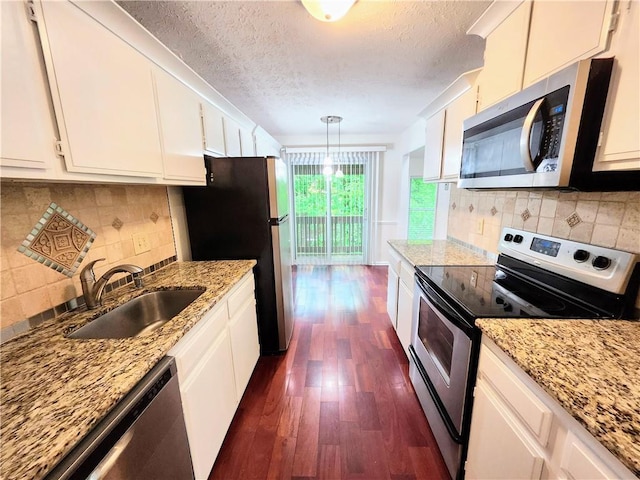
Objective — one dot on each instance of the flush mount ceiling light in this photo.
(328, 162)
(328, 10)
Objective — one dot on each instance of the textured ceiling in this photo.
(377, 67)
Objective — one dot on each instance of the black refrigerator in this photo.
(243, 213)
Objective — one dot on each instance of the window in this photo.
(422, 209)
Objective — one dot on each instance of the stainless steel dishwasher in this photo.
(143, 437)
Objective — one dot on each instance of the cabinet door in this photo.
(458, 111)
(247, 147)
(209, 402)
(434, 138)
(232, 137)
(28, 134)
(405, 314)
(213, 126)
(504, 56)
(563, 32)
(180, 129)
(243, 328)
(620, 143)
(392, 296)
(498, 448)
(102, 94)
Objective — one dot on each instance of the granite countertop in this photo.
(438, 252)
(54, 390)
(591, 367)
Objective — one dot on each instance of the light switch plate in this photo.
(141, 243)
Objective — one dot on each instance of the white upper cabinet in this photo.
(27, 145)
(444, 128)
(247, 145)
(181, 130)
(232, 137)
(434, 140)
(458, 111)
(619, 139)
(504, 55)
(529, 40)
(563, 32)
(213, 127)
(102, 93)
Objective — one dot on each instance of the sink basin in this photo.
(139, 316)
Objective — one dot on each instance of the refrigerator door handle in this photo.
(274, 222)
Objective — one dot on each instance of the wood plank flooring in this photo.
(339, 404)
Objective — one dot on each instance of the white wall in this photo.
(385, 225)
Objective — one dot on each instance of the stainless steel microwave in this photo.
(543, 136)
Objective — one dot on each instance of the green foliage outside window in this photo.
(422, 209)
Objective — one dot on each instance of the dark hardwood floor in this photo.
(339, 404)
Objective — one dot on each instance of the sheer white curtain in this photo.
(332, 204)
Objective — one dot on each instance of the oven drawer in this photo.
(533, 413)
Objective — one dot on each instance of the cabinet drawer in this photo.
(394, 260)
(406, 274)
(529, 408)
(192, 347)
(579, 461)
(242, 293)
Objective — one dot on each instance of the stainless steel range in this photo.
(536, 276)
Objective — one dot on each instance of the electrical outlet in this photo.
(473, 281)
(480, 226)
(141, 243)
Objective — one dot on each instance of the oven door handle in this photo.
(442, 410)
(436, 301)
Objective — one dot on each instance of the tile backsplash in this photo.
(28, 288)
(608, 219)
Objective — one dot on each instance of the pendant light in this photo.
(328, 10)
(339, 173)
(328, 162)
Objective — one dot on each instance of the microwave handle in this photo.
(525, 136)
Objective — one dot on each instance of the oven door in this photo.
(442, 345)
(442, 351)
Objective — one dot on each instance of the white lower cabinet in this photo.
(243, 329)
(405, 314)
(519, 432)
(400, 297)
(501, 448)
(215, 360)
(209, 402)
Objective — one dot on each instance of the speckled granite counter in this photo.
(591, 367)
(54, 390)
(438, 252)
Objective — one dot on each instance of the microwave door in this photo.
(532, 137)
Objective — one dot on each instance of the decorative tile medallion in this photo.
(525, 215)
(470, 207)
(493, 211)
(117, 223)
(58, 241)
(453, 206)
(573, 219)
(154, 217)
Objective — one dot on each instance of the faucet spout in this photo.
(92, 289)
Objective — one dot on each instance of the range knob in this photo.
(508, 237)
(581, 256)
(518, 239)
(601, 263)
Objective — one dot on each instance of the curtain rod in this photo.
(343, 149)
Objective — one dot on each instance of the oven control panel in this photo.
(601, 267)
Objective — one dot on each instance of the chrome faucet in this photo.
(92, 289)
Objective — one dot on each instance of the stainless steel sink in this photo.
(139, 316)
